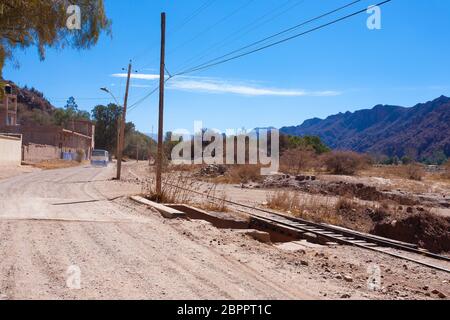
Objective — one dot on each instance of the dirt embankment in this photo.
(427, 230)
(361, 191)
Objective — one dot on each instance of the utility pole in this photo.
(122, 126)
(159, 157)
(119, 125)
(137, 152)
(150, 149)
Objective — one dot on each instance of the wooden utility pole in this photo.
(159, 157)
(137, 152)
(122, 126)
(119, 126)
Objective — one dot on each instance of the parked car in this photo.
(100, 158)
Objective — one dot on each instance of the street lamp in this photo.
(109, 92)
(119, 120)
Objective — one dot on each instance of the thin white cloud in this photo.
(219, 86)
(141, 86)
(140, 76)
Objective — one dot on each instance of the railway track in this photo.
(334, 233)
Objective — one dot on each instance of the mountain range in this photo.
(420, 132)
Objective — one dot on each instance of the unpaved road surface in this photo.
(48, 232)
(61, 238)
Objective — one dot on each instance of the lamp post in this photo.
(119, 120)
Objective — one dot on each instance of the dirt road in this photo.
(50, 238)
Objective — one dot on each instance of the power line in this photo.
(206, 66)
(188, 19)
(203, 66)
(246, 29)
(279, 33)
(209, 28)
(203, 7)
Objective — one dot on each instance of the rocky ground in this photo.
(53, 221)
(351, 269)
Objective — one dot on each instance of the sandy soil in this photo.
(12, 171)
(126, 251)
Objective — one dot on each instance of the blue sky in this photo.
(344, 67)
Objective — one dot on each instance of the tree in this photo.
(293, 142)
(43, 23)
(299, 159)
(344, 162)
(106, 120)
(70, 112)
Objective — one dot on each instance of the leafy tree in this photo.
(106, 126)
(68, 113)
(293, 142)
(43, 23)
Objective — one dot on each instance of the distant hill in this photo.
(421, 132)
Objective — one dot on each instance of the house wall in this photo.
(34, 153)
(10, 150)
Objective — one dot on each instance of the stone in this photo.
(260, 236)
(441, 295)
(348, 278)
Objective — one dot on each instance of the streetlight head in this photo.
(104, 89)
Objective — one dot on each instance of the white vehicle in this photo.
(100, 158)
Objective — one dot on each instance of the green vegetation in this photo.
(49, 29)
(106, 120)
(293, 142)
(62, 117)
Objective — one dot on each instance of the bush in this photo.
(81, 155)
(414, 172)
(295, 161)
(446, 173)
(245, 173)
(345, 162)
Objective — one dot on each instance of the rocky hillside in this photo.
(31, 98)
(33, 107)
(422, 131)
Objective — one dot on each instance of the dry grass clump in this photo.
(175, 188)
(241, 174)
(307, 207)
(446, 173)
(344, 212)
(296, 161)
(414, 172)
(345, 162)
(178, 187)
(56, 164)
(80, 155)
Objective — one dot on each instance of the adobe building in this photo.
(46, 142)
(8, 108)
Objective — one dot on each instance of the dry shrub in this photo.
(345, 162)
(414, 172)
(310, 208)
(241, 174)
(183, 168)
(345, 204)
(294, 161)
(446, 173)
(55, 164)
(175, 188)
(81, 155)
